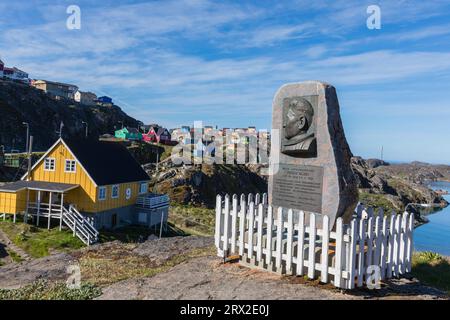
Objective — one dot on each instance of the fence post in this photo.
(403, 237)
(369, 239)
(257, 199)
(260, 231)
(362, 238)
(325, 241)
(384, 247)
(391, 245)
(338, 257)
(300, 243)
(233, 223)
(290, 240)
(410, 242)
(397, 244)
(242, 223)
(251, 221)
(312, 245)
(352, 254)
(226, 224)
(218, 218)
(264, 198)
(269, 235)
(279, 238)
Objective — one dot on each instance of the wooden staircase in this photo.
(81, 227)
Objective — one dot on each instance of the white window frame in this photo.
(112, 191)
(74, 166)
(49, 167)
(140, 187)
(100, 189)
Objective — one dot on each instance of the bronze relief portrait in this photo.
(299, 130)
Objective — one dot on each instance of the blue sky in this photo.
(221, 62)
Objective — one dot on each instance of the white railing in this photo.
(152, 201)
(81, 226)
(281, 240)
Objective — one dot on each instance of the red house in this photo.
(157, 134)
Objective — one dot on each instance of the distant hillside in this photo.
(21, 103)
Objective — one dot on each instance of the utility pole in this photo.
(28, 135)
(30, 149)
(85, 123)
(381, 152)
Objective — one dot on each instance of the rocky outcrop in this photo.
(386, 186)
(22, 103)
(199, 185)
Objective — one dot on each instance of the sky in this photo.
(221, 62)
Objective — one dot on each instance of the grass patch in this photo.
(39, 242)
(43, 290)
(376, 201)
(14, 256)
(432, 269)
(195, 220)
(116, 263)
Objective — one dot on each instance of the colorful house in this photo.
(105, 101)
(128, 134)
(157, 134)
(85, 185)
(15, 74)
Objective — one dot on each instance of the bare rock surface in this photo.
(51, 268)
(207, 278)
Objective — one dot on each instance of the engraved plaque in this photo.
(298, 187)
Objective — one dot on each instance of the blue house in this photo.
(105, 101)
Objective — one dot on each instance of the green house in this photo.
(128, 134)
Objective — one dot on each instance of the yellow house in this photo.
(87, 185)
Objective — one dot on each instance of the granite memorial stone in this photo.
(312, 171)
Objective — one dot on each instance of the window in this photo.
(102, 193)
(49, 164)
(143, 188)
(71, 166)
(115, 191)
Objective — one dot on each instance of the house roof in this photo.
(55, 83)
(160, 131)
(37, 185)
(132, 130)
(106, 162)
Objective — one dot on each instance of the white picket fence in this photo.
(280, 241)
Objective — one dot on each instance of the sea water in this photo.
(435, 235)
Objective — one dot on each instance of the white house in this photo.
(86, 98)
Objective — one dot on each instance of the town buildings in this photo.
(56, 89)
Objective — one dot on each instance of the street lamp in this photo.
(85, 123)
(28, 135)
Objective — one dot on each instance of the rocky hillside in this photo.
(21, 103)
(394, 186)
(199, 185)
